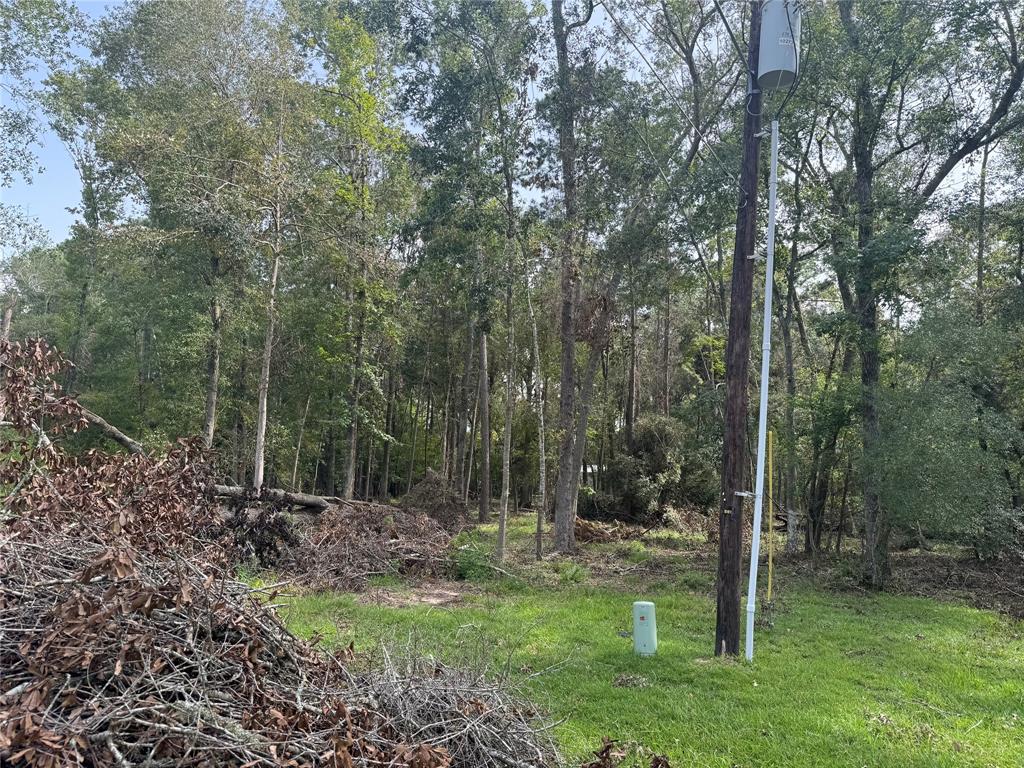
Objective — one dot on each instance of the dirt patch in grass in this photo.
(431, 594)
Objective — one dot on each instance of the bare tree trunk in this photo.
(666, 381)
(369, 469)
(298, 443)
(631, 374)
(565, 534)
(415, 432)
(355, 382)
(465, 409)
(5, 327)
(389, 425)
(485, 433)
(506, 448)
(535, 364)
(979, 298)
(474, 422)
(268, 349)
(213, 357)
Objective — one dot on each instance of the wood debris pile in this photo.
(115, 656)
(435, 497)
(124, 640)
(342, 547)
(593, 531)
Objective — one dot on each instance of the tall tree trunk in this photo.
(979, 296)
(213, 356)
(473, 424)
(415, 432)
(268, 350)
(466, 406)
(786, 324)
(355, 383)
(876, 523)
(598, 343)
(631, 371)
(485, 433)
(737, 362)
(535, 366)
(384, 490)
(789, 444)
(506, 448)
(666, 383)
(565, 535)
(75, 350)
(369, 469)
(298, 444)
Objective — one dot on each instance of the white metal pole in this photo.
(762, 417)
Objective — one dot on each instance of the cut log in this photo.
(115, 434)
(307, 500)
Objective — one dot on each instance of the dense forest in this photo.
(351, 242)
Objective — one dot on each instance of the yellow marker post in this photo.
(771, 528)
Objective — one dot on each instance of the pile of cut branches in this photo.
(437, 498)
(124, 640)
(593, 531)
(478, 719)
(342, 547)
(115, 656)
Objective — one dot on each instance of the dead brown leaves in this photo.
(114, 655)
(125, 641)
(611, 754)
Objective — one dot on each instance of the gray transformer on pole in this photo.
(780, 44)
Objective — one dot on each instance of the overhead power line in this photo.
(672, 95)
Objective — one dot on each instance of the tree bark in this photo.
(355, 382)
(298, 443)
(119, 437)
(268, 350)
(666, 384)
(565, 535)
(979, 300)
(213, 357)
(415, 432)
(309, 501)
(631, 375)
(735, 460)
(466, 406)
(389, 425)
(485, 433)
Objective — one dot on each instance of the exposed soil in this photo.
(431, 594)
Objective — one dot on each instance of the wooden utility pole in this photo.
(737, 361)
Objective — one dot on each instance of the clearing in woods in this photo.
(839, 679)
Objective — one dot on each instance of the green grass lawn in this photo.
(839, 679)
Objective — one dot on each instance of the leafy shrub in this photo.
(571, 573)
(1001, 531)
(471, 563)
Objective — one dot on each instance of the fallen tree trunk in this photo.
(307, 500)
(115, 434)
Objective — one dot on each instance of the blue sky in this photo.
(48, 195)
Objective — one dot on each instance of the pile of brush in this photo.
(125, 641)
(345, 545)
